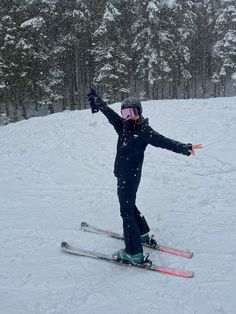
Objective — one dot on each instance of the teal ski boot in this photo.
(148, 240)
(123, 256)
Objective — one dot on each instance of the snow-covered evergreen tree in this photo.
(160, 45)
(146, 45)
(25, 54)
(180, 23)
(71, 44)
(224, 49)
(112, 49)
(13, 79)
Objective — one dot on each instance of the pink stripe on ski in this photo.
(175, 251)
(175, 272)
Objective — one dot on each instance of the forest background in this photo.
(52, 51)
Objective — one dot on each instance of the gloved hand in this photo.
(94, 100)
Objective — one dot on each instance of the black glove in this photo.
(94, 100)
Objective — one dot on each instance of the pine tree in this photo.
(161, 45)
(180, 22)
(224, 49)
(111, 51)
(70, 51)
(36, 57)
(12, 73)
(25, 52)
(125, 21)
(147, 54)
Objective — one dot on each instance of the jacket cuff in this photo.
(189, 146)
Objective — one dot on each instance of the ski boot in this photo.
(135, 259)
(123, 256)
(149, 240)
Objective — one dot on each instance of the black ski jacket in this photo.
(132, 143)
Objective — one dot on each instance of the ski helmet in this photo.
(132, 103)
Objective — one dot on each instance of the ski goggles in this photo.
(129, 112)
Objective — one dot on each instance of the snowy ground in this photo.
(56, 171)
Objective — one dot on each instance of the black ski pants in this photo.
(134, 223)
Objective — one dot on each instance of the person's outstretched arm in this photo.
(156, 139)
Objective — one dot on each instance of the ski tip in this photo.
(84, 224)
(189, 275)
(188, 254)
(64, 244)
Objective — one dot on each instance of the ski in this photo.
(183, 253)
(147, 266)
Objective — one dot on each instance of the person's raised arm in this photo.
(97, 104)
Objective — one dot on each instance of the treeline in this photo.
(51, 51)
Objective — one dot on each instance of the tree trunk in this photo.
(51, 108)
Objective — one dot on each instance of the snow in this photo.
(56, 171)
(234, 76)
(111, 13)
(171, 3)
(35, 22)
(152, 9)
(22, 44)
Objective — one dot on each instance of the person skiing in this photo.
(134, 134)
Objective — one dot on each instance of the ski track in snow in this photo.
(57, 171)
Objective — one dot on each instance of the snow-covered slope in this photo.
(56, 171)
